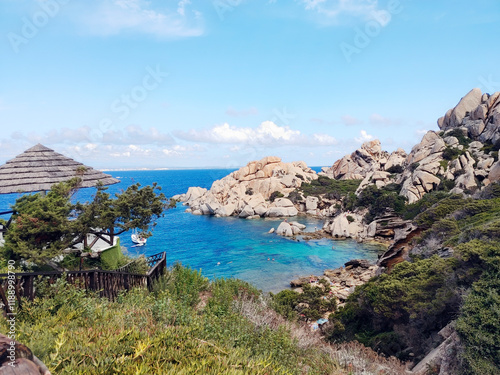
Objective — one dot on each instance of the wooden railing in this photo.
(107, 283)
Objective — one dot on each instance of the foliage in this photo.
(428, 200)
(396, 169)
(163, 332)
(41, 227)
(295, 197)
(274, 195)
(314, 301)
(451, 153)
(335, 189)
(459, 134)
(44, 225)
(111, 259)
(350, 219)
(420, 296)
(378, 201)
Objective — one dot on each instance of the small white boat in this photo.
(137, 239)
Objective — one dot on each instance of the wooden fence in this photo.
(108, 283)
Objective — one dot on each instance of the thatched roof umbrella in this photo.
(40, 167)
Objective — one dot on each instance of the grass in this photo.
(230, 330)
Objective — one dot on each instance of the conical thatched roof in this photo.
(39, 167)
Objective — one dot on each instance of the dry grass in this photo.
(352, 358)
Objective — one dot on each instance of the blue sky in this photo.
(179, 83)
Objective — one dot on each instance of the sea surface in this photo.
(228, 247)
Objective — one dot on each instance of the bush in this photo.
(396, 169)
(462, 139)
(450, 153)
(350, 219)
(336, 189)
(419, 296)
(274, 195)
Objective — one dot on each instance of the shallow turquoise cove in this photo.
(230, 247)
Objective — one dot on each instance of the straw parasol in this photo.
(40, 167)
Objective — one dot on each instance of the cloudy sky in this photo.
(192, 83)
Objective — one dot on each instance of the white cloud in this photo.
(266, 134)
(364, 137)
(111, 17)
(324, 140)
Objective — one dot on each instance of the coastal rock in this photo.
(466, 105)
(346, 226)
(246, 192)
(311, 203)
(494, 174)
(359, 163)
(285, 229)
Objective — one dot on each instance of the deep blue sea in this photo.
(228, 247)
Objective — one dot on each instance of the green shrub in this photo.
(451, 153)
(336, 189)
(350, 219)
(274, 195)
(462, 139)
(396, 169)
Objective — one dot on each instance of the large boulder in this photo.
(246, 192)
(359, 163)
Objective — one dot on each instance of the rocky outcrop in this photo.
(368, 159)
(289, 229)
(476, 121)
(246, 192)
(346, 225)
(342, 280)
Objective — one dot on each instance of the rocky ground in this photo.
(342, 280)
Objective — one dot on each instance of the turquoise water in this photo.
(229, 247)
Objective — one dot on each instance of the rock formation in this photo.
(368, 159)
(443, 156)
(247, 192)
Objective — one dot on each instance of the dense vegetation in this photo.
(187, 325)
(330, 188)
(398, 313)
(45, 225)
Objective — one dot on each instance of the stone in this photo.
(298, 225)
(451, 141)
(494, 174)
(311, 203)
(485, 163)
(277, 212)
(285, 229)
(372, 229)
(271, 230)
(467, 104)
(282, 202)
(246, 212)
